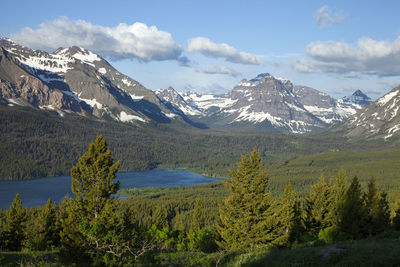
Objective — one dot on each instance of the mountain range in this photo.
(266, 103)
(379, 120)
(76, 80)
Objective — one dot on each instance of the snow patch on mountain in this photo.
(53, 63)
(136, 98)
(386, 98)
(125, 117)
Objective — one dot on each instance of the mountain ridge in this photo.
(264, 102)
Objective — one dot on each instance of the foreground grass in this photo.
(368, 252)
(376, 251)
(30, 258)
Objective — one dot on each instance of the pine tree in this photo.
(317, 206)
(396, 216)
(246, 217)
(352, 214)
(200, 236)
(290, 224)
(198, 217)
(371, 204)
(92, 230)
(337, 195)
(45, 229)
(15, 220)
(382, 215)
(377, 208)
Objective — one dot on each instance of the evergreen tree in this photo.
(396, 216)
(337, 195)
(352, 214)
(377, 208)
(317, 206)
(290, 224)
(91, 230)
(45, 229)
(198, 216)
(371, 204)
(200, 236)
(246, 217)
(381, 215)
(15, 220)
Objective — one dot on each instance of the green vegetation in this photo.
(41, 143)
(281, 217)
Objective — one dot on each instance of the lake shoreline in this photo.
(36, 191)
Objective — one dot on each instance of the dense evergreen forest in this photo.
(246, 224)
(41, 143)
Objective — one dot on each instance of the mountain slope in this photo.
(266, 103)
(380, 119)
(84, 82)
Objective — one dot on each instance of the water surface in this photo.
(36, 191)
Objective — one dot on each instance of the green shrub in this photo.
(331, 234)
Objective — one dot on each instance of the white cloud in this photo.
(139, 41)
(208, 48)
(323, 17)
(370, 56)
(217, 70)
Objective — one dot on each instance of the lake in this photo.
(35, 192)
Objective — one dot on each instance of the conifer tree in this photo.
(382, 215)
(317, 206)
(198, 217)
(290, 225)
(371, 204)
(352, 214)
(91, 231)
(377, 208)
(45, 229)
(200, 236)
(396, 215)
(246, 217)
(338, 190)
(14, 225)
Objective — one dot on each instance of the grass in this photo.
(377, 251)
(29, 258)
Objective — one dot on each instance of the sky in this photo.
(206, 46)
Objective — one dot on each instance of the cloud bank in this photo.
(217, 70)
(135, 41)
(370, 56)
(210, 49)
(323, 17)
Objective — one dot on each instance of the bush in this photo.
(331, 234)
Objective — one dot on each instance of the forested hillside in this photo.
(41, 143)
(243, 224)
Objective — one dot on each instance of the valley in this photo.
(313, 157)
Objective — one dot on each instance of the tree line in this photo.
(97, 228)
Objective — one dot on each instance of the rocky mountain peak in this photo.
(260, 76)
(266, 81)
(79, 53)
(359, 98)
(9, 44)
(380, 119)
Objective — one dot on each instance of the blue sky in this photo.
(209, 46)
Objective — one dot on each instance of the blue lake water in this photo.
(36, 191)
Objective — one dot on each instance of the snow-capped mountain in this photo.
(358, 98)
(266, 102)
(75, 80)
(380, 119)
(325, 107)
(178, 104)
(269, 102)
